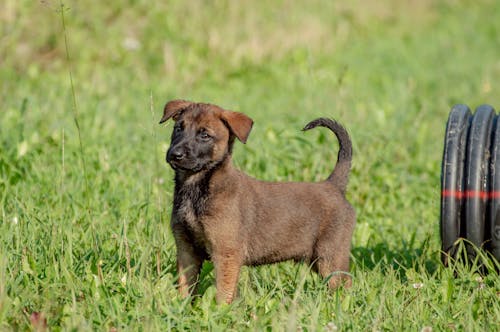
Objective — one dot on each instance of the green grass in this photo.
(92, 250)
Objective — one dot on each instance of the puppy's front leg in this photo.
(188, 262)
(188, 268)
(227, 263)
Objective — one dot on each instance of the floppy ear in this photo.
(239, 123)
(173, 108)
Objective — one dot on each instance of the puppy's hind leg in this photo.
(333, 249)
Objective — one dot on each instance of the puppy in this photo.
(220, 213)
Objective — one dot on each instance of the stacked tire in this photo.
(470, 182)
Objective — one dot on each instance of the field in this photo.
(85, 193)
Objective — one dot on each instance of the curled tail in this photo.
(340, 174)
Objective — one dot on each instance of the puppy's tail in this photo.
(340, 174)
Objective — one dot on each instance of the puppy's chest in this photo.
(190, 205)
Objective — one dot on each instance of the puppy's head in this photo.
(203, 134)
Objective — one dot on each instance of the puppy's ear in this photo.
(173, 108)
(239, 123)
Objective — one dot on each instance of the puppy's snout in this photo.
(176, 154)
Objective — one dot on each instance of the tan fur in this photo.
(224, 215)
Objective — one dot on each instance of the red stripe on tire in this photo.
(471, 194)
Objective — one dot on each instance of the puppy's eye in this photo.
(177, 129)
(204, 135)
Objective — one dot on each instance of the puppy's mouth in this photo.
(185, 166)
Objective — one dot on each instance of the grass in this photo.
(101, 257)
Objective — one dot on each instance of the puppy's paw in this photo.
(343, 280)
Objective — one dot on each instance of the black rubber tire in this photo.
(493, 221)
(476, 175)
(452, 182)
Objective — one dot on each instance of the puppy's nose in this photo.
(177, 154)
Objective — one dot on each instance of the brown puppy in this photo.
(222, 214)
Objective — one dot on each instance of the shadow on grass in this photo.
(381, 256)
